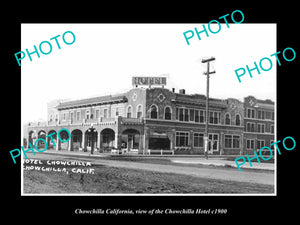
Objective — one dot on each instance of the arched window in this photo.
(139, 112)
(227, 119)
(168, 113)
(129, 111)
(238, 120)
(153, 112)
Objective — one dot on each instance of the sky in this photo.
(104, 58)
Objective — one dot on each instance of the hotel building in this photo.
(155, 119)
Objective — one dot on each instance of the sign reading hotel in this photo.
(149, 81)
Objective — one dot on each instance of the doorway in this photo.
(213, 143)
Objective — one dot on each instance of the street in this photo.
(220, 173)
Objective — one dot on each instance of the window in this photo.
(197, 118)
(50, 118)
(139, 111)
(202, 116)
(198, 140)
(168, 113)
(78, 115)
(272, 116)
(227, 119)
(192, 115)
(260, 144)
(71, 116)
(182, 139)
(261, 114)
(180, 114)
(235, 141)
(129, 112)
(177, 113)
(232, 141)
(105, 111)
(117, 111)
(186, 114)
(250, 144)
(97, 113)
(153, 113)
(250, 127)
(211, 117)
(250, 113)
(272, 129)
(228, 141)
(237, 120)
(214, 117)
(261, 128)
(87, 114)
(268, 115)
(64, 116)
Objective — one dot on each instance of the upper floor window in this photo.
(202, 116)
(238, 120)
(97, 113)
(129, 111)
(261, 128)
(227, 119)
(250, 127)
(214, 117)
(251, 113)
(87, 114)
(72, 116)
(153, 112)
(105, 113)
(78, 115)
(139, 112)
(168, 113)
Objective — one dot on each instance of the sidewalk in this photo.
(222, 162)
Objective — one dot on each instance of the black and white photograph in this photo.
(123, 109)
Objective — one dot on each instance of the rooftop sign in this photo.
(149, 81)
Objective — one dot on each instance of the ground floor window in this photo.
(260, 144)
(232, 141)
(250, 144)
(182, 139)
(198, 140)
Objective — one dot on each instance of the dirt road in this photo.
(213, 173)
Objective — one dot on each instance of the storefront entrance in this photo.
(131, 140)
(213, 143)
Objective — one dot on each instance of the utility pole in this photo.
(207, 104)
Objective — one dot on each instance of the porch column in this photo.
(83, 142)
(69, 144)
(191, 141)
(117, 140)
(146, 140)
(99, 140)
(222, 143)
(57, 142)
(141, 144)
